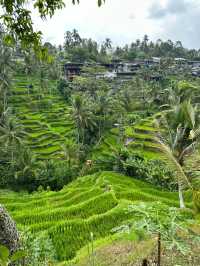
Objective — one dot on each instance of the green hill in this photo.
(44, 115)
(47, 122)
(94, 203)
(139, 138)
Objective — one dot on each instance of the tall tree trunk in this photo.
(9, 236)
(159, 249)
(180, 193)
(4, 101)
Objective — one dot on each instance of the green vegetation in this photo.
(92, 165)
(45, 118)
(93, 203)
(6, 259)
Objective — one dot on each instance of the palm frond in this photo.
(194, 134)
(188, 150)
(170, 160)
(188, 113)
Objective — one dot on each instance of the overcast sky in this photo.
(126, 20)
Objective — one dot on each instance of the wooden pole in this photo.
(159, 249)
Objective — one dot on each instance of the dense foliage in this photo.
(78, 49)
(91, 146)
(94, 203)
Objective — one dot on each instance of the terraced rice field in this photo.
(45, 117)
(138, 138)
(47, 121)
(94, 203)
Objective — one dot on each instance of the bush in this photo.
(64, 89)
(50, 175)
(153, 171)
(56, 174)
(39, 249)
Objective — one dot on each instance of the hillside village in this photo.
(119, 69)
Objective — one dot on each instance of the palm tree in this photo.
(70, 151)
(83, 117)
(26, 166)
(6, 66)
(177, 93)
(178, 139)
(108, 43)
(43, 81)
(104, 112)
(11, 133)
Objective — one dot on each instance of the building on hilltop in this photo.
(194, 64)
(116, 69)
(72, 69)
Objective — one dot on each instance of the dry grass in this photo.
(121, 253)
(129, 253)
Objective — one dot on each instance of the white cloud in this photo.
(178, 20)
(121, 20)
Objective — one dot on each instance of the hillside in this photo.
(99, 139)
(138, 138)
(44, 116)
(47, 122)
(94, 203)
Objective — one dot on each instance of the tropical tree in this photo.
(84, 118)
(104, 112)
(43, 79)
(30, 62)
(70, 152)
(127, 99)
(178, 137)
(27, 168)
(11, 133)
(6, 66)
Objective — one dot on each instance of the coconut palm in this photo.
(27, 167)
(105, 108)
(6, 65)
(70, 151)
(11, 133)
(178, 92)
(178, 139)
(83, 117)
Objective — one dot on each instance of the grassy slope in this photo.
(46, 119)
(140, 137)
(47, 122)
(94, 203)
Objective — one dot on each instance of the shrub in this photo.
(39, 249)
(56, 174)
(153, 171)
(64, 88)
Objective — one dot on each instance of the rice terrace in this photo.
(99, 133)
